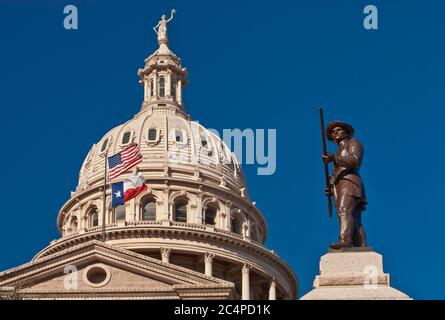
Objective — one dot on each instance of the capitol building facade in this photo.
(193, 234)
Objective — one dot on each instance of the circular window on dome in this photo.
(97, 275)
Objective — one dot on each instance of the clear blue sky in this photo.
(251, 64)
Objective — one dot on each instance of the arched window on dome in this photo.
(152, 134)
(207, 148)
(181, 212)
(120, 213)
(235, 225)
(209, 216)
(162, 86)
(204, 142)
(104, 146)
(126, 138)
(152, 88)
(93, 217)
(148, 210)
(179, 137)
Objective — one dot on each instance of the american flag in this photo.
(123, 161)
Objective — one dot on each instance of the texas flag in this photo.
(126, 190)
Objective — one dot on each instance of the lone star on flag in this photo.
(118, 194)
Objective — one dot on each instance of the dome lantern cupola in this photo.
(163, 77)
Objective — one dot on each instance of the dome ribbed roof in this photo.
(199, 148)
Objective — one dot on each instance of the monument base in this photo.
(353, 274)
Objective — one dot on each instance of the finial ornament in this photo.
(161, 28)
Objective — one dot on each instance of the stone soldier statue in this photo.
(346, 185)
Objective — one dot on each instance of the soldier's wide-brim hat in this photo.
(341, 124)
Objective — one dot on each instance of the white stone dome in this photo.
(198, 149)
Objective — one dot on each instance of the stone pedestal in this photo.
(353, 274)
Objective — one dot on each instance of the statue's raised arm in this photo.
(172, 15)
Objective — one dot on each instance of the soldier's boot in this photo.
(361, 237)
(346, 223)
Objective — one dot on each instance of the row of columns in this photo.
(168, 87)
(166, 209)
(245, 274)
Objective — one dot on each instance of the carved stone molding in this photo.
(246, 268)
(208, 257)
(165, 254)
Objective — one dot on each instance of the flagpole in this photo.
(104, 208)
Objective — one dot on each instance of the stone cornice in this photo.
(166, 272)
(180, 232)
(221, 291)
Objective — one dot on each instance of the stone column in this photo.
(199, 210)
(130, 212)
(84, 222)
(165, 213)
(165, 254)
(273, 289)
(222, 219)
(208, 262)
(168, 82)
(101, 217)
(155, 85)
(179, 92)
(146, 89)
(171, 211)
(110, 216)
(228, 216)
(246, 228)
(245, 295)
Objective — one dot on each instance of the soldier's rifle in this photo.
(326, 167)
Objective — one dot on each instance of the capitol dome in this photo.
(194, 233)
(165, 136)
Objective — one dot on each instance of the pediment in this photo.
(98, 270)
